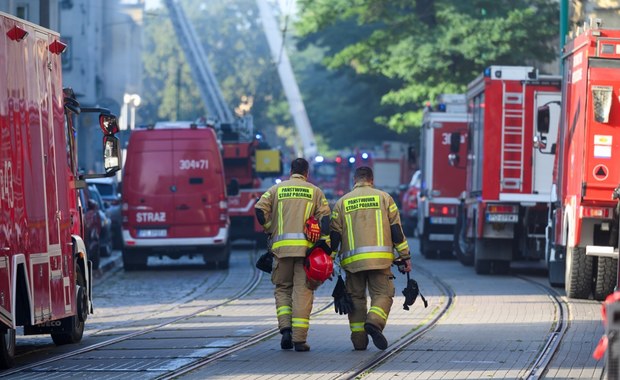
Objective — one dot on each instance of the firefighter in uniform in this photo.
(283, 212)
(367, 223)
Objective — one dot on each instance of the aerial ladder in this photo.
(287, 77)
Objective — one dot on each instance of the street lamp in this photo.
(129, 99)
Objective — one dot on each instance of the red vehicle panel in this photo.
(442, 180)
(174, 195)
(581, 229)
(44, 266)
(504, 211)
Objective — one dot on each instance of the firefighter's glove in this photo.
(411, 292)
(265, 262)
(343, 304)
(404, 266)
(312, 230)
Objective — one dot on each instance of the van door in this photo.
(198, 184)
(543, 158)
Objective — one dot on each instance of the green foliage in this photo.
(429, 47)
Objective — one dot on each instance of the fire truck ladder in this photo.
(199, 64)
(513, 139)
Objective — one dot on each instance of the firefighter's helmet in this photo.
(318, 265)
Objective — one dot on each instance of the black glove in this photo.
(401, 265)
(265, 262)
(411, 293)
(343, 304)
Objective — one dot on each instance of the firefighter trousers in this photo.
(380, 286)
(293, 298)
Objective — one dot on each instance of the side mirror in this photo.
(233, 187)
(108, 124)
(111, 155)
(540, 142)
(542, 119)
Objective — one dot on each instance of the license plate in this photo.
(442, 220)
(152, 233)
(503, 218)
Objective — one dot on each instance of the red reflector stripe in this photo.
(442, 210)
(596, 212)
(501, 209)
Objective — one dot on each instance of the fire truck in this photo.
(333, 176)
(503, 212)
(247, 162)
(45, 273)
(583, 222)
(442, 181)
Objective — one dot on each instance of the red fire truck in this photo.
(583, 223)
(45, 274)
(442, 181)
(503, 214)
(247, 161)
(333, 176)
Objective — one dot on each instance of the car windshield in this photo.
(105, 189)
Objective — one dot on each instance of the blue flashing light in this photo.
(351, 160)
(365, 156)
(319, 159)
(259, 136)
(487, 72)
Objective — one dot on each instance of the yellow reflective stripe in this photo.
(308, 209)
(393, 208)
(350, 231)
(267, 225)
(284, 310)
(334, 214)
(291, 243)
(266, 195)
(379, 311)
(357, 326)
(303, 323)
(280, 221)
(379, 223)
(402, 246)
(368, 256)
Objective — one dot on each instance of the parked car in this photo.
(105, 238)
(109, 190)
(92, 225)
(409, 207)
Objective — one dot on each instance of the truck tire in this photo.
(606, 277)
(7, 348)
(578, 273)
(134, 259)
(225, 262)
(424, 250)
(462, 246)
(218, 257)
(76, 323)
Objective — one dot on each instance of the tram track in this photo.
(253, 281)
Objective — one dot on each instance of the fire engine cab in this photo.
(504, 208)
(583, 222)
(45, 274)
(442, 180)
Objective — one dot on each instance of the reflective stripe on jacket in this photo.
(286, 207)
(363, 218)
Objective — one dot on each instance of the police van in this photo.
(174, 199)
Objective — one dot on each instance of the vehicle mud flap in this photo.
(557, 268)
(578, 273)
(7, 347)
(461, 245)
(492, 255)
(605, 279)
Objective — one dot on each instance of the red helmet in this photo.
(318, 265)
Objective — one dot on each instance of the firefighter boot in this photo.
(287, 339)
(301, 347)
(377, 336)
(359, 340)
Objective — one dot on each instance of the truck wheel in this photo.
(225, 252)
(606, 276)
(578, 273)
(76, 322)
(134, 259)
(218, 258)
(94, 254)
(7, 348)
(501, 266)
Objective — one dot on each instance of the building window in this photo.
(67, 56)
(22, 12)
